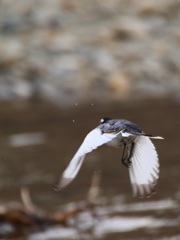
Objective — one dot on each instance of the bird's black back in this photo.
(116, 125)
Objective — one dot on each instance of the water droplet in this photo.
(73, 120)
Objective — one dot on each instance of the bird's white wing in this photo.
(93, 140)
(144, 170)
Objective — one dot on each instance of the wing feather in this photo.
(144, 170)
(93, 140)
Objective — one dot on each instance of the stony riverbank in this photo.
(76, 51)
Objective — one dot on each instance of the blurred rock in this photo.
(11, 51)
(119, 85)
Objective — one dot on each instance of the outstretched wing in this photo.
(144, 170)
(93, 140)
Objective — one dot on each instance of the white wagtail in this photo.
(139, 154)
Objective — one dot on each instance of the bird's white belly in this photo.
(116, 142)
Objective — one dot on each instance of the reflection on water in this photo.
(38, 141)
(27, 139)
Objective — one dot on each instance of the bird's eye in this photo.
(102, 120)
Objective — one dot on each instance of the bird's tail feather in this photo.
(154, 137)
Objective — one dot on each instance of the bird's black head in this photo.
(104, 120)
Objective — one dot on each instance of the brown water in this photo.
(39, 165)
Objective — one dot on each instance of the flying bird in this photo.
(139, 153)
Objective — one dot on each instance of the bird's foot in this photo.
(126, 162)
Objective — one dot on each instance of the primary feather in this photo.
(144, 170)
(93, 140)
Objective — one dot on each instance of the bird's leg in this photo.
(131, 151)
(124, 158)
(126, 161)
(124, 151)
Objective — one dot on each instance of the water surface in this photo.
(49, 137)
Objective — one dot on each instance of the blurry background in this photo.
(64, 64)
